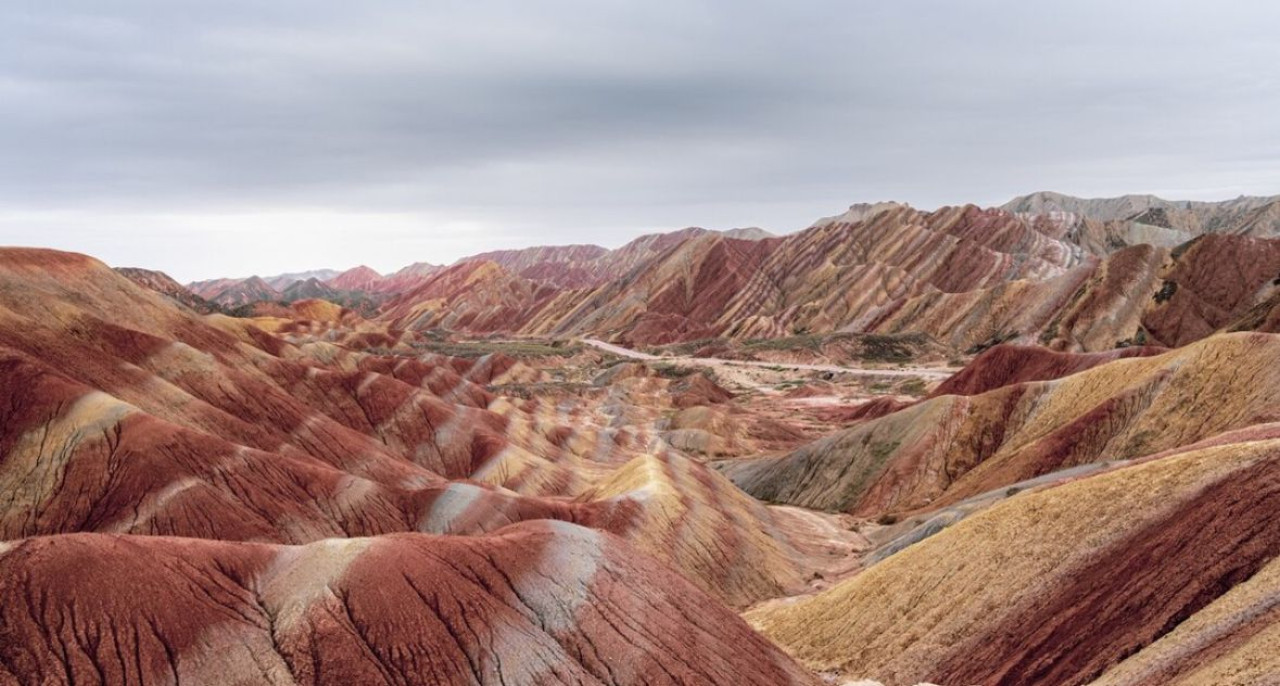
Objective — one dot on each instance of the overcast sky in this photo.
(250, 136)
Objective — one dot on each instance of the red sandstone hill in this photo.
(165, 285)
(313, 497)
(676, 296)
(1068, 518)
(360, 278)
(246, 292)
(130, 427)
(565, 266)
(469, 296)
(969, 277)
(407, 278)
(214, 427)
(533, 603)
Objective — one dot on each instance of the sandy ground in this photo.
(927, 373)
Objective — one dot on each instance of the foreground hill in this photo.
(533, 603)
(1066, 585)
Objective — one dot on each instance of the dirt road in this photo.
(933, 373)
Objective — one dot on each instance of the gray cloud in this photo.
(182, 135)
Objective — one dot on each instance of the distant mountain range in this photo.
(1073, 273)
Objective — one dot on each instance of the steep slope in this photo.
(1245, 214)
(1005, 365)
(591, 266)
(283, 281)
(949, 448)
(165, 285)
(1135, 296)
(407, 278)
(470, 296)
(246, 292)
(563, 266)
(360, 278)
(849, 272)
(1074, 274)
(1064, 585)
(1103, 225)
(125, 413)
(211, 287)
(970, 278)
(677, 296)
(309, 288)
(534, 603)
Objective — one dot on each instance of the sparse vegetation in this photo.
(1139, 338)
(536, 390)
(668, 370)
(518, 349)
(1167, 289)
(913, 387)
(995, 339)
(881, 450)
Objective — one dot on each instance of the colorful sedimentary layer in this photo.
(541, 602)
(1070, 584)
(952, 447)
(127, 414)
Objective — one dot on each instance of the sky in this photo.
(237, 137)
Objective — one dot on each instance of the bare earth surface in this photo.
(932, 373)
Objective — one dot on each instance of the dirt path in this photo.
(933, 373)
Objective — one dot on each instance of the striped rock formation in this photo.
(165, 285)
(541, 602)
(123, 413)
(1162, 572)
(952, 447)
(1070, 273)
(1134, 219)
(966, 276)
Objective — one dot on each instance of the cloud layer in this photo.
(234, 137)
